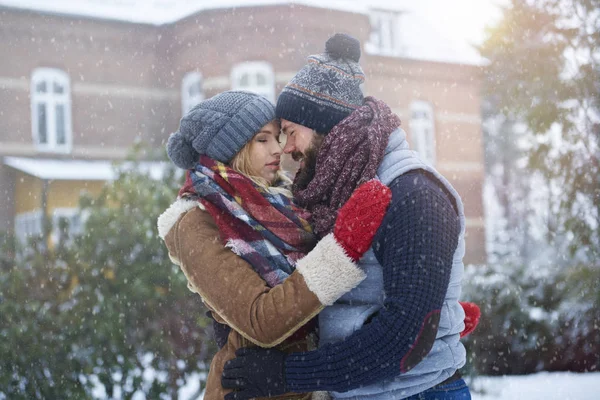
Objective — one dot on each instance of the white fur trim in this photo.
(329, 272)
(320, 396)
(238, 246)
(167, 219)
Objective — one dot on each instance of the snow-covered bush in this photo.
(108, 315)
(534, 319)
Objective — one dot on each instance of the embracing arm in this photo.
(415, 246)
(228, 285)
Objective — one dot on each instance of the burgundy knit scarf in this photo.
(349, 156)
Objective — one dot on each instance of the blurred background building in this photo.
(79, 89)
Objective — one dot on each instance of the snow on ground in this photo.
(540, 386)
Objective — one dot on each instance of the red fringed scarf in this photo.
(266, 229)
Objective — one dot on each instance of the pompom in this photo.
(181, 152)
(341, 45)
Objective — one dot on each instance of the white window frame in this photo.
(188, 101)
(385, 38)
(68, 213)
(252, 69)
(422, 130)
(28, 224)
(51, 100)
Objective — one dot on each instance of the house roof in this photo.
(69, 170)
(160, 12)
(431, 29)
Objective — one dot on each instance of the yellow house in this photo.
(52, 187)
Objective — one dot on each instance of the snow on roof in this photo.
(100, 170)
(160, 12)
(433, 30)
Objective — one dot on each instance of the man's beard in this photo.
(306, 173)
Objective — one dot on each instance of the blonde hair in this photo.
(242, 164)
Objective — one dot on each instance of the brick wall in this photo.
(126, 81)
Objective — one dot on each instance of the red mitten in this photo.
(472, 315)
(358, 219)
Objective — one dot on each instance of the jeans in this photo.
(456, 390)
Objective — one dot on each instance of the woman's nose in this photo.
(276, 149)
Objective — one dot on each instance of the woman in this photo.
(242, 244)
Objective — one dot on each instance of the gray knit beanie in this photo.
(219, 127)
(327, 89)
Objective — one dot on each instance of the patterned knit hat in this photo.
(219, 127)
(327, 89)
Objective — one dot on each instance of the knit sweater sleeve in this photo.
(415, 246)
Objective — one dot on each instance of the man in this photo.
(397, 334)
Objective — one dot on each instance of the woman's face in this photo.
(265, 152)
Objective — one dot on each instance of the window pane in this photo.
(58, 88)
(60, 124)
(375, 31)
(76, 225)
(27, 225)
(245, 80)
(41, 120)
(392, 32)
(195, 89)
(261, 80)
(41, 87)
(386, 34)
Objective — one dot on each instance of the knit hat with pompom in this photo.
(219, 127)
(327, 89)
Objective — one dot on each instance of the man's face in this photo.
(303, 144)
(298, 140)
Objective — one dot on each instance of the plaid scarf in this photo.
(349, 156)
(263, 228)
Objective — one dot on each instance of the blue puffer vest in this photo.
(352, 310)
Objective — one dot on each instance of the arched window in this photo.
(422, 130)
(192, 92)
(256, 76)
(51, 110)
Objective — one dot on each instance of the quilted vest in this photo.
(350, 312)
